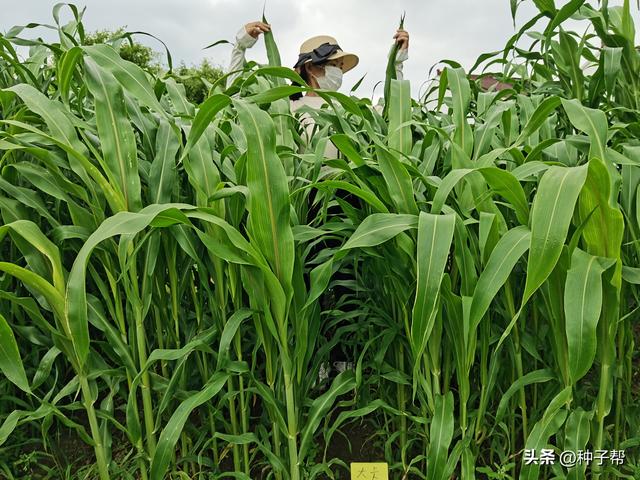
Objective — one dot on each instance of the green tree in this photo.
(130, 50)
(197, 79)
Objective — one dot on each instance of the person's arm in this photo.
(401, 37)
(403, 54)
(246, 37)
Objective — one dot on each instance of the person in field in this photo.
(321, 62)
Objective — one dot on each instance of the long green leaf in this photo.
(582, 308)
(577, 432)
(503, 259)
(268, 203)
(435, 235)
(207, 111)
(551, 215)
(10, 361)
(440, 436)
(537, 376)
(130, 76)
(604, 230)
(162, 175)
(380, 227)
(398, 181)
(116, 134)
(591, 121)
(399, 115)
(460, 96)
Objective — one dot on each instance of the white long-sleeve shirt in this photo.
(243, 41)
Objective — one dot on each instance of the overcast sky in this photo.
(454, 29)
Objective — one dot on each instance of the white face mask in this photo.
(332, 79)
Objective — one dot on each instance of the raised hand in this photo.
(402, 38)
(256, 28)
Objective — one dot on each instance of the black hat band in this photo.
(317, 55)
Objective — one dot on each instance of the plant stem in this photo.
(293, 427)
(402, 407)
(605, 374)
(147, 404)
(244, 411)
(101, 459)
(518, 360)
(620, 366)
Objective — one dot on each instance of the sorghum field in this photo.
(174, 277)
